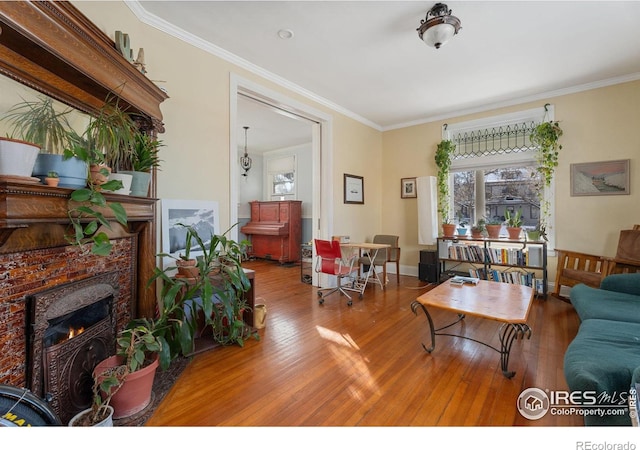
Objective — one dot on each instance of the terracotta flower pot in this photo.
(52, 181)
(448, 229)
(514, 233)
(135, 393)
(493, 231)
(96, 177)
(188, 268)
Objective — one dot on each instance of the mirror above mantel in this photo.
(53, 48)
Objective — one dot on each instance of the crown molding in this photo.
(519, 101)
(164, 26)
(160, 24)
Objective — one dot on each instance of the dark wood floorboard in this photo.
(335, 365)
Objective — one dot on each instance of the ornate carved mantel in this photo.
(54, 49)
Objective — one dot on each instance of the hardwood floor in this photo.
(335, 365)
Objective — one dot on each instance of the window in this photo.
(493, 169)
(281, 177)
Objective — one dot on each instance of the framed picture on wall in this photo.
(201, 215)
(408, 188)
(600, 178)
(353, 189)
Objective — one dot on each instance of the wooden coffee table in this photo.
(503, 302)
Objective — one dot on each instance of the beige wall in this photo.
(598, 125)
(197, 115)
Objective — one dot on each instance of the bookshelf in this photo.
(502, 260)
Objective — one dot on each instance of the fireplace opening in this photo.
(71, 325)
(72, 329)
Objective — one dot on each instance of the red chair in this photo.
(329, 261)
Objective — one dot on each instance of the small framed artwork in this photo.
(353, 189)
(408, 188)
(600, 178)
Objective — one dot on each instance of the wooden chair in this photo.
(627, 259)
(576, 267)
(385, 256)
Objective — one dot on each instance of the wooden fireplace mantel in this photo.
(34, 216)
(53, 48)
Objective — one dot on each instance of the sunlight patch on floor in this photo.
(351, 363)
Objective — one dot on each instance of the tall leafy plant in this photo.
(39, 122)
(216, 295)
(443, 162)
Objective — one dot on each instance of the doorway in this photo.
(320, 124)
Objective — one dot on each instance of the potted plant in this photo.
(546, 136)
(494, 226)
(112, 132)
(135, 363)
(539, 232)
(144, 158)
(462, 227)
(100, 413)
(185, 264)
(52, 178)
(479, 229)
(40, 122)
(448, 228)
(214, 299)
(514, 223)
(443, 162)
(87, 205)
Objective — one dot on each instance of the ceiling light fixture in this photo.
(245, 161)
(439, 26)
(285, 33)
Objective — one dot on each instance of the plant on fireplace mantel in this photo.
(86, 206)
(106, 143)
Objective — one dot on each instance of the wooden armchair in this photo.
(575, 268)
(627, 259)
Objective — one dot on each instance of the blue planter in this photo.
(72, 172)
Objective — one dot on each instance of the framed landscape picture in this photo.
(600, 178)
(203, 216)
(408, 188)
(353, 189)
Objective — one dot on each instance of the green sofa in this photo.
(602, 358)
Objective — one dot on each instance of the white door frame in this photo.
(322, 154)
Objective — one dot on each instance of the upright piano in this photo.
(275, 230)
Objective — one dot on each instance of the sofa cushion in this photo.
(602, 359)
(594, 303)
(628, 283)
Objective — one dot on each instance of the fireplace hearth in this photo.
(60, 365)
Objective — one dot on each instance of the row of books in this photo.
(513, 277)
(511, 256)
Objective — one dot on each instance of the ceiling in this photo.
(364, 58)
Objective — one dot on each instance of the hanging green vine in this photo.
(546, 136)
(443, 162)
